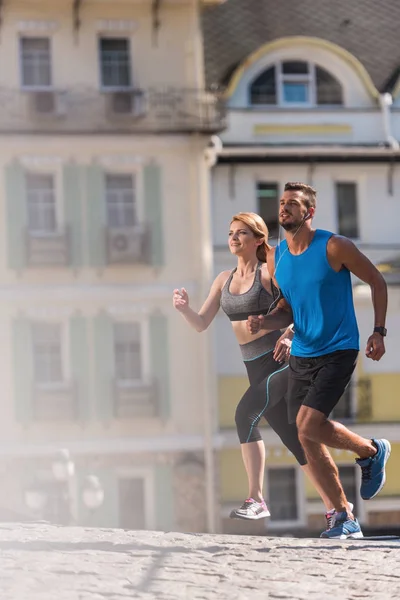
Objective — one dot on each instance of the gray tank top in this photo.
(256, 301)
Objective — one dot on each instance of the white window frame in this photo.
(281, 78)
(36, 88)
(118, 88)
(133, 176)
(301, 520)
(147, 474)
(115, 165)
(65, 363)
(144, 334)
(309, 78)
(48, 168)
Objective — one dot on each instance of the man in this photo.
(312, 268)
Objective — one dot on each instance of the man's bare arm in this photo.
(279, 318)
(342, 252)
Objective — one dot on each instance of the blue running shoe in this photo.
(373, 470)
(343, 528)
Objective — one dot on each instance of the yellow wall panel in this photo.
(230, 390)
(385, 397)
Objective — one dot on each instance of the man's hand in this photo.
(375, 347)
(254, 323)
(282, 348)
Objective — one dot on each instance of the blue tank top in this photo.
(321, 299)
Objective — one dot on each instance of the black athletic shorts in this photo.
(319, 382)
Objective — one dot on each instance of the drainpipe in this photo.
(385, 102)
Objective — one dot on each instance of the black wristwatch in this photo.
(381, 330)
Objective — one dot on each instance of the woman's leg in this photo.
(253, 455)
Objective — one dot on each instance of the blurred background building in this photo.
(104, 210)
(313, 95)
(109, 115)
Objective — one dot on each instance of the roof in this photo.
(367, 29)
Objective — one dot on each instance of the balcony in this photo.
(132, 400)
(47, 250)
(127, 245)
(56, 402)
(160, 109)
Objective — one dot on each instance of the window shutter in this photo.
(72, 192)
(23, 369)
(160, 361)
(165, 515)
(96, 216)
(154, 212)
(16, 215)
(104, 367)
(79, 353)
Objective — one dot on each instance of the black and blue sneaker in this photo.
(373, 475)
(343, 528)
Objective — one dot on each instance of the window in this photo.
(35, 62)
(41, 203)
(128, 360)
(268, 206)
(296, 83)
(115, 63)
(47, 353)
(282, 491)
(120, 197)
(347, 211)
(132, 503)
(347, 476)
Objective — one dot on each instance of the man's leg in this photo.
(326, 474)
(316, 427)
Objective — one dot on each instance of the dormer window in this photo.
(295, 84)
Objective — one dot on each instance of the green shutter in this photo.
(160, 361)
(23, 369)
(96, 216)
(72, 192)
(79, 353)
(104, 366)
(165, 516)
(154, 212)
(16, 215)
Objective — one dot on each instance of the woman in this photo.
(247, 290)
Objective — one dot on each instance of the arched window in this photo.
(296, 83)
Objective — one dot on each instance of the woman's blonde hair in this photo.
(259, 229)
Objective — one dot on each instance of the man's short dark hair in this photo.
(310, 194)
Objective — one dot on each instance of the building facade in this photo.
(104, 186)
(314, 100)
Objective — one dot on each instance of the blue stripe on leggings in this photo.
(266, 404)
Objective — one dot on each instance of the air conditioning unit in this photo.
(125, 245)
(127, 103)
(47, 104)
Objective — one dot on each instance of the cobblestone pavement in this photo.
(42, 562)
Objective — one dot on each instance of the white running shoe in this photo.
(252, 510)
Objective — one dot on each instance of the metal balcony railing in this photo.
(48, 249)
(135, 399)
(163, 109)
(56, 402)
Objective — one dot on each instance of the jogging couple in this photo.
(303, 285)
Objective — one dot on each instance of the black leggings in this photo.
(266, 398)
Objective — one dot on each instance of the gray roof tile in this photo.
(366, 28)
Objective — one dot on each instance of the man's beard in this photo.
(292, 226)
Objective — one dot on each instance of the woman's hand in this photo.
(283, 346)
(180, 300)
